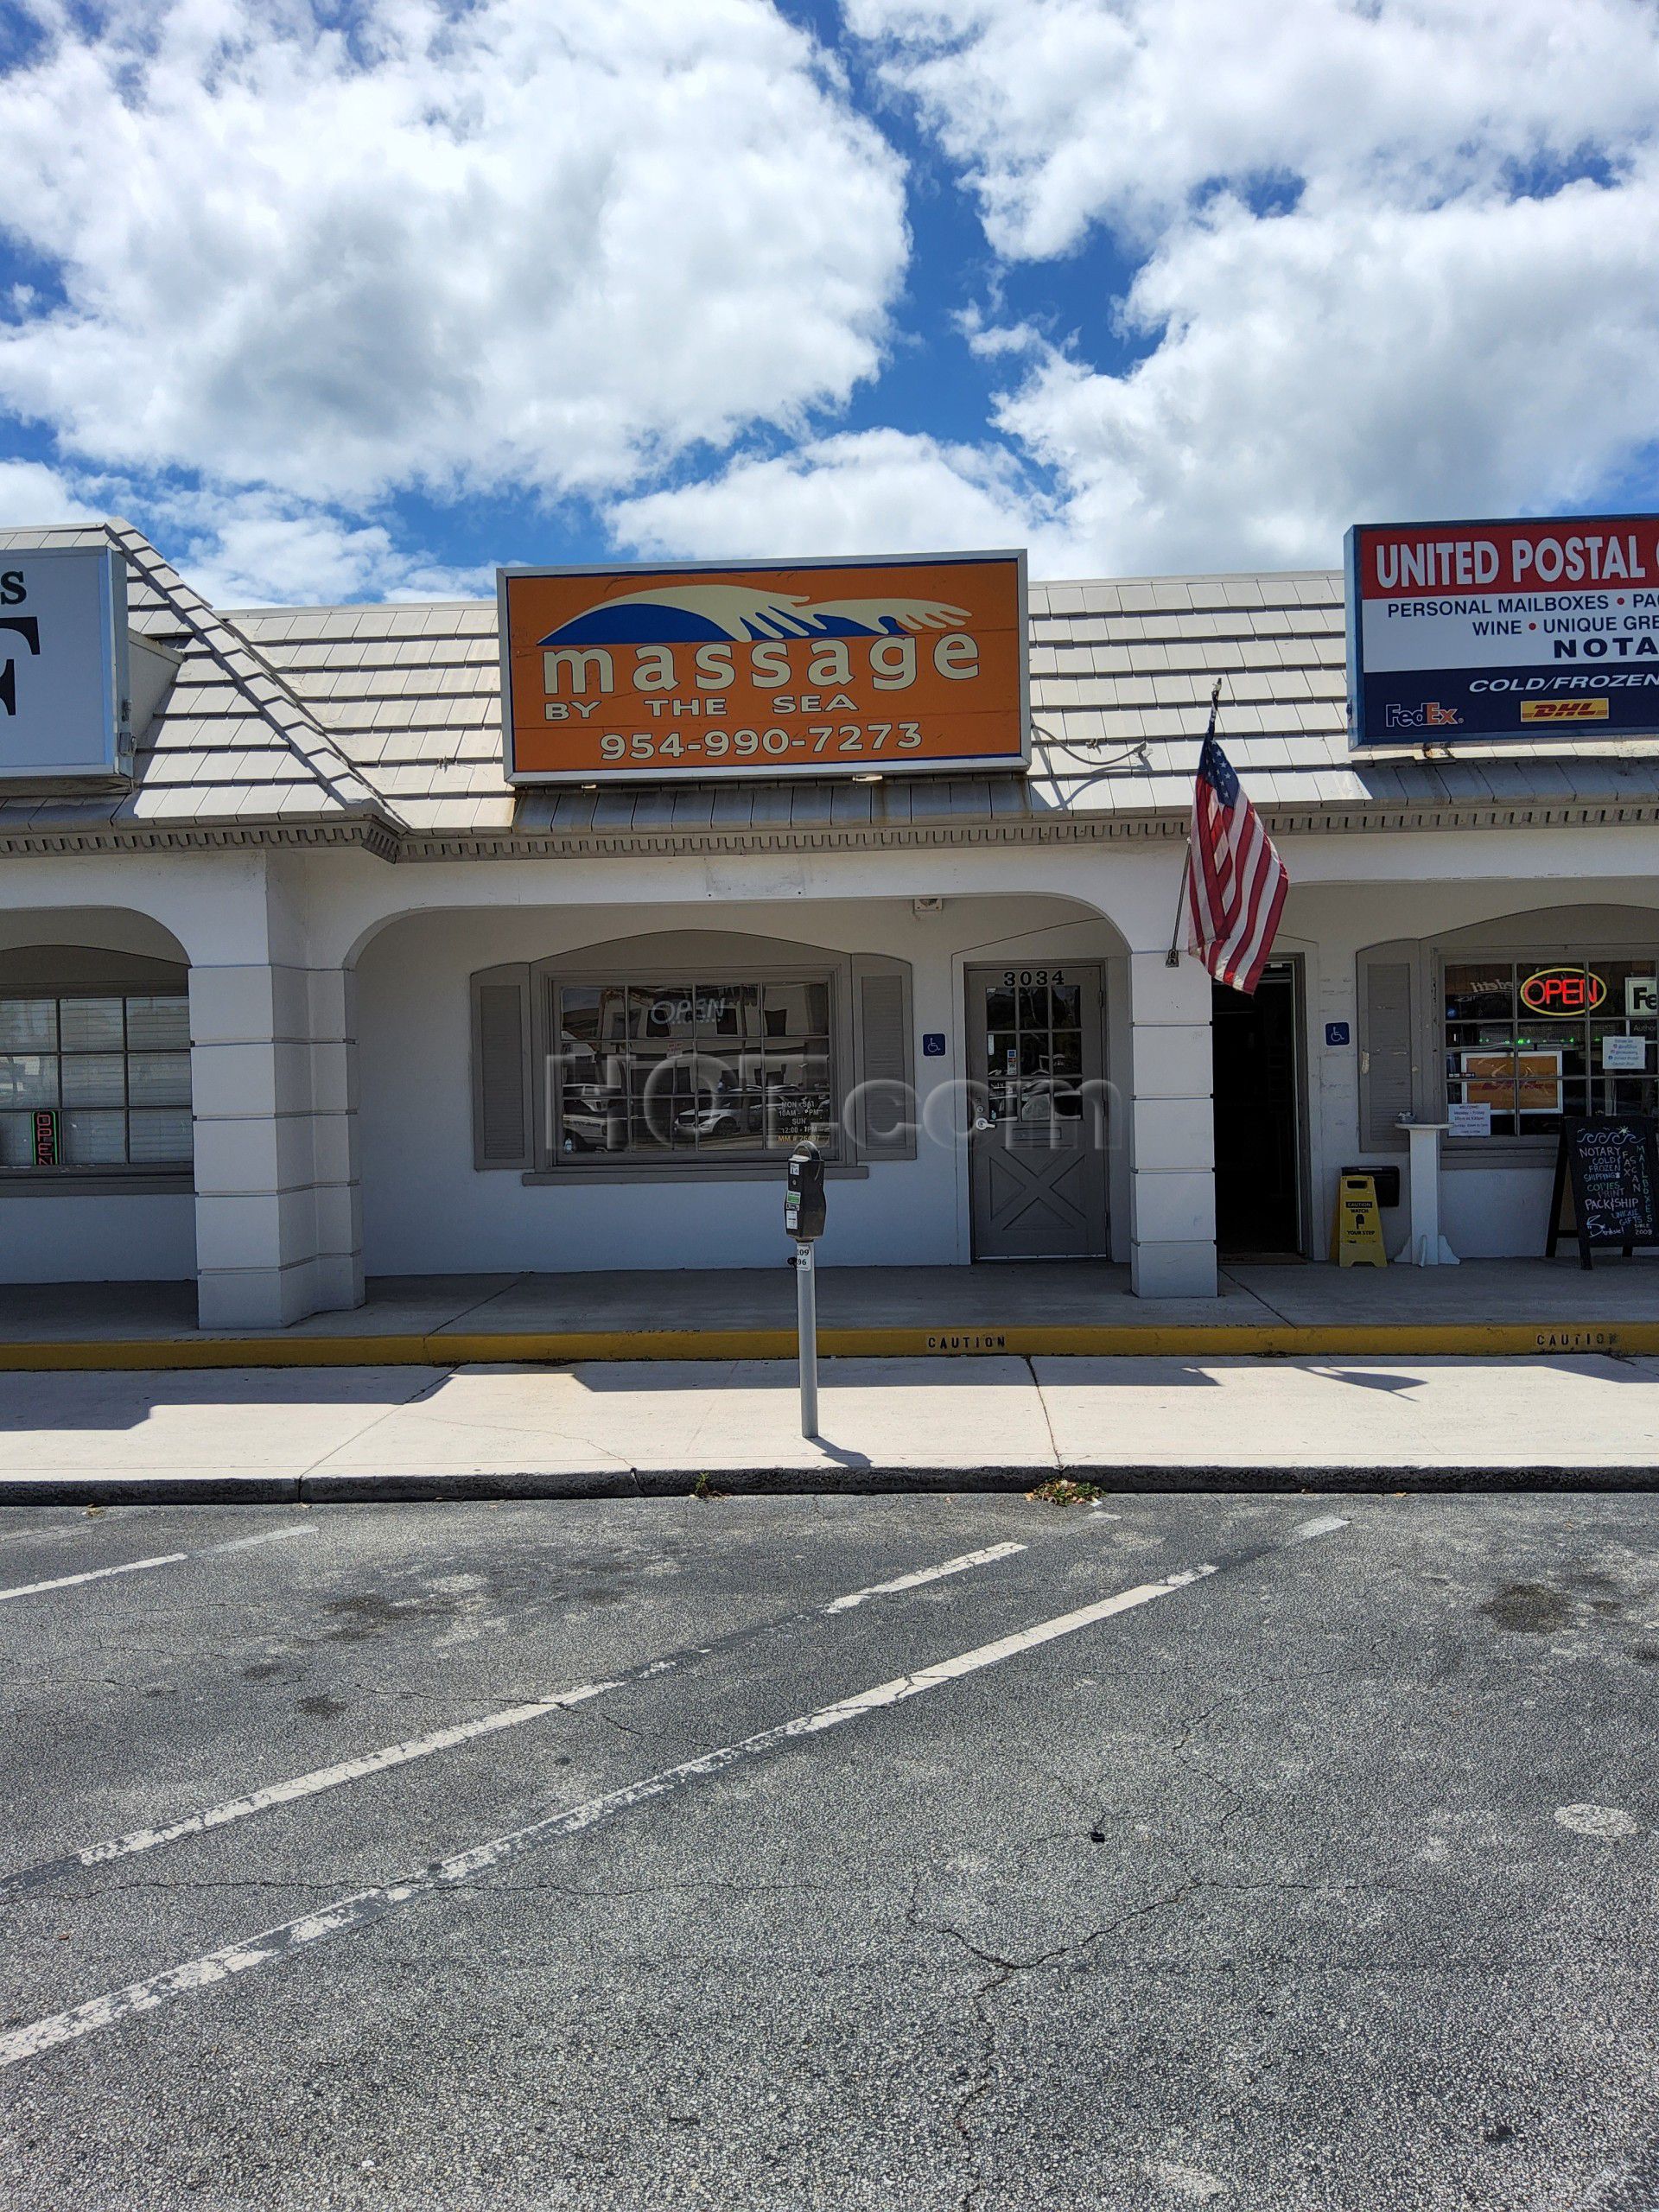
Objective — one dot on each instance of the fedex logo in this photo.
(1430, 715)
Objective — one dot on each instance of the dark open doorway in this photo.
(1258, 1119)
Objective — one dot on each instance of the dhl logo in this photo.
(1563, 710)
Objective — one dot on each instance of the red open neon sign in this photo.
(1562, 991)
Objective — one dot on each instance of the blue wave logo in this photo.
(689, 614)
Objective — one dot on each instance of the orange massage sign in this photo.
(816, 668)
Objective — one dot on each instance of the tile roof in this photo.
(1121, 675)
(391, 715)
(412, 697)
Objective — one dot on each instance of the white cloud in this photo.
(1066, 112)
(864, 492)
(256, 550)
(31, 492)
(1361, 364)
(1388, 259)
(542, 242)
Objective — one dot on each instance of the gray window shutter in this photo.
(1388, 1036)
(502, 1135)
(884, 1121)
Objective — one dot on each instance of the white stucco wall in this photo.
(104, 1237)
(417, 931)
(425, 1209)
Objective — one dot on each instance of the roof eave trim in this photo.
(373, 835)
(370, 833)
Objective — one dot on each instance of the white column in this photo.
(273, 1070)
(1171, 1130)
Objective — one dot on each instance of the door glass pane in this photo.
(160, 1136)
(16, 1140)
(94, 1079)
(1067, 1000)
(91, 1025)
(158, 1024)
(158, 1078)
(94, 1137)
(28, 1079)
(28, 1024)
(999, 1007)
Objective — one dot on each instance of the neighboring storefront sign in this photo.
(63, 666)
(1563, 992)
(815, 669)
(1528, 1083)
(1606, 1184)
(1502, 629)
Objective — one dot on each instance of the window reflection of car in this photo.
(785, 1111)
(720, 1117)
(593, 1117)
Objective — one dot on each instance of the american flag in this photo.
(1235, 882)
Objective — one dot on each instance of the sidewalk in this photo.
(626, 1429)
(1036, 1309)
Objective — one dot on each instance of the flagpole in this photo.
(1172, 957)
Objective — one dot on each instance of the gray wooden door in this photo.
(1036, 1150)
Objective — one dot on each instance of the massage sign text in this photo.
(1511, 629)
(864, 667)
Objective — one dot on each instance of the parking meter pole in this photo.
(804, 1218)
(806, 1325)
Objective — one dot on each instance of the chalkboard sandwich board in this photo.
(1607, 1183)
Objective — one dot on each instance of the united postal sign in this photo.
(829, 668)
(1503, 629)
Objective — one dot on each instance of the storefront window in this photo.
(96, 1080)
(1533, 1040)
(688, 1069)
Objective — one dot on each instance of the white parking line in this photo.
(444, 1739)
(922, 1574)
(162, 1559)
(365, 1906)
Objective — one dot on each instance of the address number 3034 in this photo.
(1028, 976)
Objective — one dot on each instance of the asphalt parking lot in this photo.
(907, 1853)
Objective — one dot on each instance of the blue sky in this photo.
(354, 299)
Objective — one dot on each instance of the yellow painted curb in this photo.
(1407, 1339)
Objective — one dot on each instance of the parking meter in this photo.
(804, 1219)
(803, 1208)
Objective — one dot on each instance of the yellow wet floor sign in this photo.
(1356, 1227)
